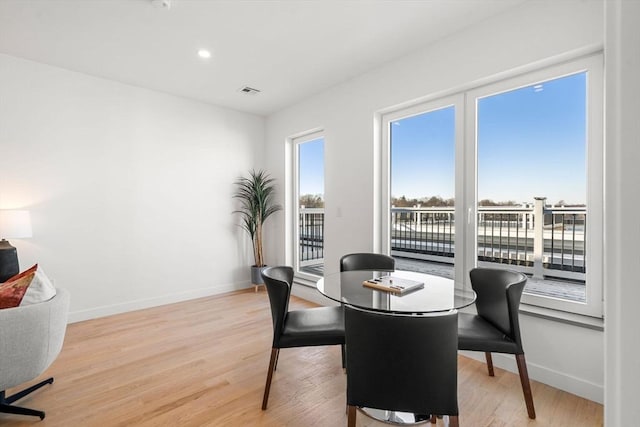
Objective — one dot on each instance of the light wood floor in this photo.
(204, 362)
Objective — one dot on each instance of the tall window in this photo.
(309, 197)
(422, 184)
(528, 183)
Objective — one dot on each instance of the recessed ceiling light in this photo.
(204, 53)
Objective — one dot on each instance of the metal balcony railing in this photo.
(311, 235)
(553, 246)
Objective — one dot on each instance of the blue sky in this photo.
(531, 142)
(423, 155)
(311, 162)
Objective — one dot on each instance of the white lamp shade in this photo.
(15, 223)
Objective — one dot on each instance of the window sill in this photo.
(306, 281)
(563, 317)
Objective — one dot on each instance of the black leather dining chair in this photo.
(403, 363)
(299, 328)
(496, 327)
(367, 261)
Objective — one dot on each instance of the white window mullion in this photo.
(466, 179)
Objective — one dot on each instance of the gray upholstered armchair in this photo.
(31, 338)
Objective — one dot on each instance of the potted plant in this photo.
(256, 194)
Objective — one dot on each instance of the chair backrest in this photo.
(498, 298)
(402, 362)
(278, 281)
(367, 261)
(31, 338)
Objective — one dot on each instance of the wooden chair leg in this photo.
(454, 421)
(344, 355)
(487, 355)
(433, 419)
(351, 417)
(526, 386)
(272, 367)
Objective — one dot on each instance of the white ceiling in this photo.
(287, 49)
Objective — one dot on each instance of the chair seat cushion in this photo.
(313, 326)
(476, 334)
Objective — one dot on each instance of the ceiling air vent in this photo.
(249, 90)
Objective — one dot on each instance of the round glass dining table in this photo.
(433, 294)
(437, 295)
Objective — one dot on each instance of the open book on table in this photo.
(394, 285)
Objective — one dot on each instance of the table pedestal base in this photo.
(396, 418)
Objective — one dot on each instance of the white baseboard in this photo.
(108, 310)
(559, 380)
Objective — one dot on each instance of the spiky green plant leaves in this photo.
(256, 194)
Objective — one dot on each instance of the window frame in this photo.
(296, 141)
(466, 170)
(457, 102)
(593, 66)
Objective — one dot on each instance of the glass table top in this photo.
(437, 295)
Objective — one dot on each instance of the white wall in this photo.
(129, 189)
(565, 356)
(622, 202)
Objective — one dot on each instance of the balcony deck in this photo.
(565, 289)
